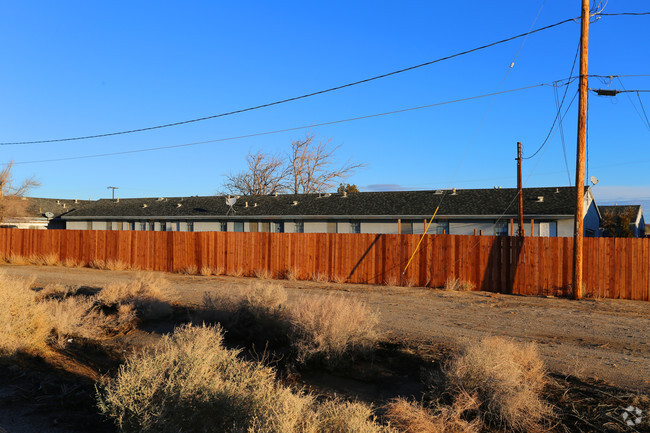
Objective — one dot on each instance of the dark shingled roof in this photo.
(556, 201)
(619, 210)
(39, 206)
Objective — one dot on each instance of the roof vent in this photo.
(160, 199)
(245, 204)
(327, 194)
(63, 205)
(58, 202)
(178, 205)
(76, 201)
(117, 200)
(557, 190)
(295, 202)
(345, 193)
(275, 193)
(144, 205)
(453, 191)
(254, 204)
(540, 198)
(438, 192)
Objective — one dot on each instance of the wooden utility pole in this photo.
(582, 141)
(520, 191)
(113, 188)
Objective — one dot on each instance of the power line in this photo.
(150, 149)
(559, 108)
(320, 92)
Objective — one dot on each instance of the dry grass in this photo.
(454, 284)
(110, 265)
(508, 379)
(239, 272)
(412, 417)
(24, 323)
(56, 291)
(189, 382)
(15, 259)
(329, 327)
(292, 274)
(339, 279)
(263, 274)
(189, 270)
(73, 263)
(149, 294)
(80, 317)
(320, 277)
(206, 271)
(391, 280)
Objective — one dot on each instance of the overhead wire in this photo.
(295, 98)
(471, 142)
(334, 122)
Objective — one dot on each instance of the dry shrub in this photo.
(24, 323)
(15, 259)
(77, 317)
(189, 270)
(454, 284)
(149, 294)
(263, 274)
(291, 274)
(73, 263)
(97, 264)
(320, 277)
(56, 291)
(51, 259)
(391, 280)
(116, 265)
(339, 279)
(328, 327)
(189, 382)
(206, 271)
(507, 378)
(346, 417)
(412, 417)
(239, 272)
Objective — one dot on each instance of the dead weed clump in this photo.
(507, 379)
(24, 323)
(412, 417)
(189, 382)
(456, 285)
(149, 294)
(263, 274)
(329, 327)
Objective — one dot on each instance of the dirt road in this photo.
(604, 339)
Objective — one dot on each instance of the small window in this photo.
(190, 226)
(109, 225)
(299, 227)
(132, 225)
(277, 227)
(224, 226)
(164, 226)
(442, 227)
(406, 228)
(239, 226)
(355, 226)
(143, 226)
(501, 228)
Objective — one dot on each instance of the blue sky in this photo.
(84, 68)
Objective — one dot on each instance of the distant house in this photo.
(43, 213)
(621, 213)
(489, 211)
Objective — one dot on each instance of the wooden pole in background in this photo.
(580, 160)
(520, 189)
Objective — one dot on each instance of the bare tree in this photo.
(266, 174)
(11, 194)
(311, 166)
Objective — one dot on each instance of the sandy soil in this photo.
(603, 339)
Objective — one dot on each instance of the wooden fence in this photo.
(613, 268)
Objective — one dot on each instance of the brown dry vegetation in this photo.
(190, 382)
(508, 379)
